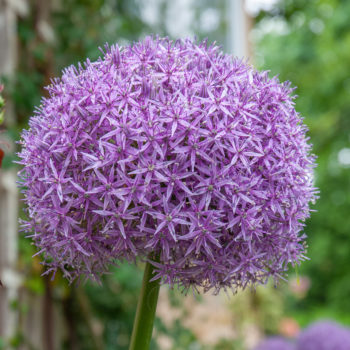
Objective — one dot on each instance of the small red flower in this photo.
(2, 153)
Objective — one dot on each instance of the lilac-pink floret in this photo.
(275, 343)
(324, 335)
(174, 149)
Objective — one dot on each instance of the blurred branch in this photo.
(73, 343)
(91, 322)
(48, 316)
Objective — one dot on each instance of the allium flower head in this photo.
(324, 335)
(173, 148)
(275, 343)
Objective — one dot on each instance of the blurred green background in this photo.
(306, 42)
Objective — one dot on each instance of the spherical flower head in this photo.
(173, 149)
(324, 335)
(275, 343)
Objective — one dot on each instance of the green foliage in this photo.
(2, 343)
(181, 338)
(109, 306)
(263, 308)
(229, 345)
(313, 52)
(2, 105)
(84, 25)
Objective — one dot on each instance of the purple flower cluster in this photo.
(174, 149)
(275, 343)
(324, 335)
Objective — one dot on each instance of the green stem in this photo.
(145, 313)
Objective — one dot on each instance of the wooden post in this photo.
(8, 251)
(239, 26)
(8, 189)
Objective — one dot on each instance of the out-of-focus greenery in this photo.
(263, 307)
(307, 42)
(2, 104)
(108, 308)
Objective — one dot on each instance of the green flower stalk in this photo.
(145, 313)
